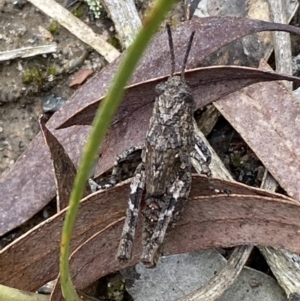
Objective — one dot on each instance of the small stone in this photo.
(52, 103)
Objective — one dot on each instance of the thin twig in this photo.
(218, 284)
(282, 41)
(125, 18)
(76, 27)
(27, 52)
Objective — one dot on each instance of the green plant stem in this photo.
(13, 294)
(100, 125)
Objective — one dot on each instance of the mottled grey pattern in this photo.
(165, 170)
(169, 141)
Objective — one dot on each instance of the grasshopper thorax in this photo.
(174, 101)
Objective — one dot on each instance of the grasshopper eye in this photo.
(186, 97)
(160, 88)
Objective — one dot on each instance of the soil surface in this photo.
(26, 83)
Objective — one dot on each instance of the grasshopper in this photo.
(165, 170)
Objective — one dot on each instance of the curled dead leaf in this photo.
(64, 168)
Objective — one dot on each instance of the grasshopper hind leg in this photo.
(137, 188)
(174, 202)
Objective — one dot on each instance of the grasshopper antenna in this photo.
(171, 48)
(186, 55)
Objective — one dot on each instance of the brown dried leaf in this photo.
(207, 223)
(64, 168)
(267, 117)
(251, 49)
(23, 194)
(80, 77)
(248, 216)
(131, 122)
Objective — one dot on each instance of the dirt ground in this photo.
(27, 82)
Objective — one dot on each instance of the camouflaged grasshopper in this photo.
(165, 170)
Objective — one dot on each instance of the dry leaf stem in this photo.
(77, 28)
(218, 284)
(125, 18)
(282, 40)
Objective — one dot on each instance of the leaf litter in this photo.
(267, 116)
(64, 168)
(131, 122)
(26, 193)
(248, 216)
(256, 219)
